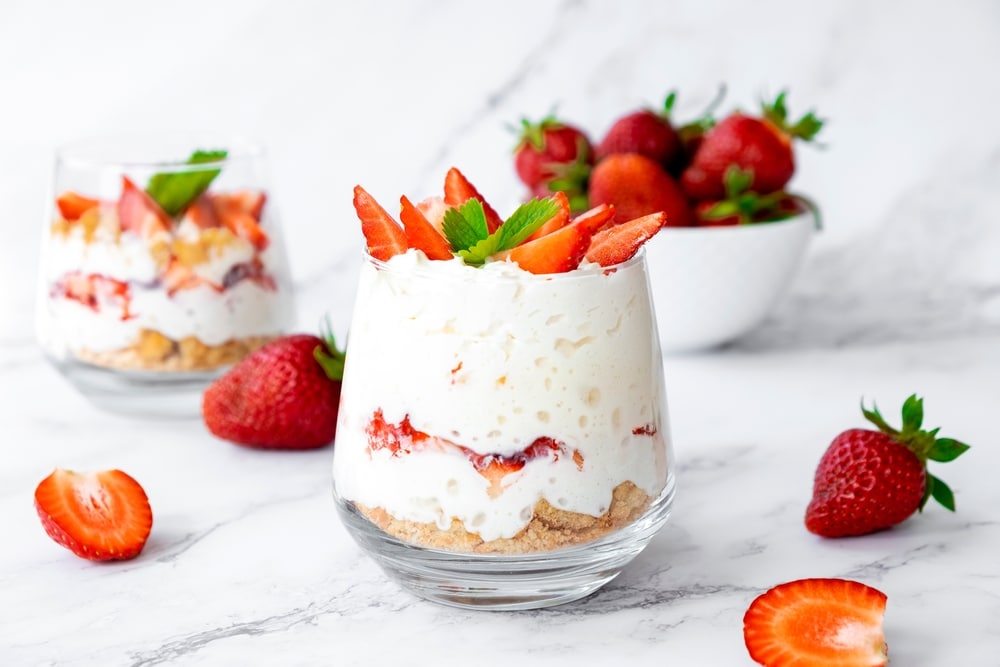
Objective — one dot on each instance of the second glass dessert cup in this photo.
(162, 265)
(503, 439)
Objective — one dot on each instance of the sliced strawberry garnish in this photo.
(458, 190)
(179, 277)
(98, 516)
(817, 622)
(238, 219)
(558, 252)
(72, 206)
(434, 209)
(95, 291)
(202, 213)
(420, 233)
(597, 218)
(384, 236)
(617, 244)
(559, 220)
(139, 213)
(250, 202)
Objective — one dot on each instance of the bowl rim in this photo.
(696, 230)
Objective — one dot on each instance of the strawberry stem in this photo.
(330, 357)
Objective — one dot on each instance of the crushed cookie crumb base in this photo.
(152, 351)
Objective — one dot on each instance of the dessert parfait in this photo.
(163, 269)
(503, 393)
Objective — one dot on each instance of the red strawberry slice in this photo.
(139, 213)
(202, 213)
(420, 233)
(98, 516)
(558, 252)
(817, 622)
(250, 202)
(434, 209)
(384, 236)
(559, 220)
(179, 277)
(458, 190)
(596, 219)
(72, 206)
(237, 215)
(619, 243)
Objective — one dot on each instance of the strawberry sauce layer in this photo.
(402, 438)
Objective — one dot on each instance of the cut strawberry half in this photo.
(597, 218)
(458, 190)
(558, 252)
(384, 236)
(139, 213)
(238, 219)
(420, 233)
(817, 622)
(434, 209)
(250, 202)
(558, 221)
(202, 213)
(72, 206)
(619, 243)
(98, 516)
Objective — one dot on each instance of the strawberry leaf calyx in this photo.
(330, 357)
(806, 128)
(533, 134)
(924, 444)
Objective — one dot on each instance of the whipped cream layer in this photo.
(492, 359)
(211, 313)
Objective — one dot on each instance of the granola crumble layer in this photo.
(549, 528)
(153, 351)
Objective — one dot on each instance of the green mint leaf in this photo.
(940, 492)
(477, 254)
(174, 192)
(473, 211)
(461, 233)
(913, 414)
(524, 222)
(946, 449)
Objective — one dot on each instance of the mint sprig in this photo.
(466, 231)
(174, 192)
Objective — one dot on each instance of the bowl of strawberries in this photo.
(735, 234)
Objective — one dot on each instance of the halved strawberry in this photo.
(597, 218)
(458, 190)
(557, 221)
(98, 516)
(420, 233)
(434, 209)
(817, 622)
(250, 202)
(237, 218)
(384, 236)
(139, 213)
(72, 206)
(558, 252)
(619, 243)
(202, 212)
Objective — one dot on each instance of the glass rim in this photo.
(127, 151)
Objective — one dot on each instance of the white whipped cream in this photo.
(492, 358)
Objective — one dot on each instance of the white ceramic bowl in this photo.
(712, 285)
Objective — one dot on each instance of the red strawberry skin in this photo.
(644, 132)
(279, 397)
(865, 482)
(560, 144)
(636, 186)
(750, 143)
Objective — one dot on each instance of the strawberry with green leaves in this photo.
(761, 145)
(286, 395)
(552, 156)
(870, 480)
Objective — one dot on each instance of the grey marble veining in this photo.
(247, 562)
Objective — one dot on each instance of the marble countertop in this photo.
(247, 562)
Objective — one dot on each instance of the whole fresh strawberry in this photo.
(552, 156)
(283, 396)
(760, 145)
(646, 132)
(637, 186)
(872, 480)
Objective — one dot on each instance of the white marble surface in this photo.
(247, 563)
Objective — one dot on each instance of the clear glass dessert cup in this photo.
(162, 265)
(503, 439)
